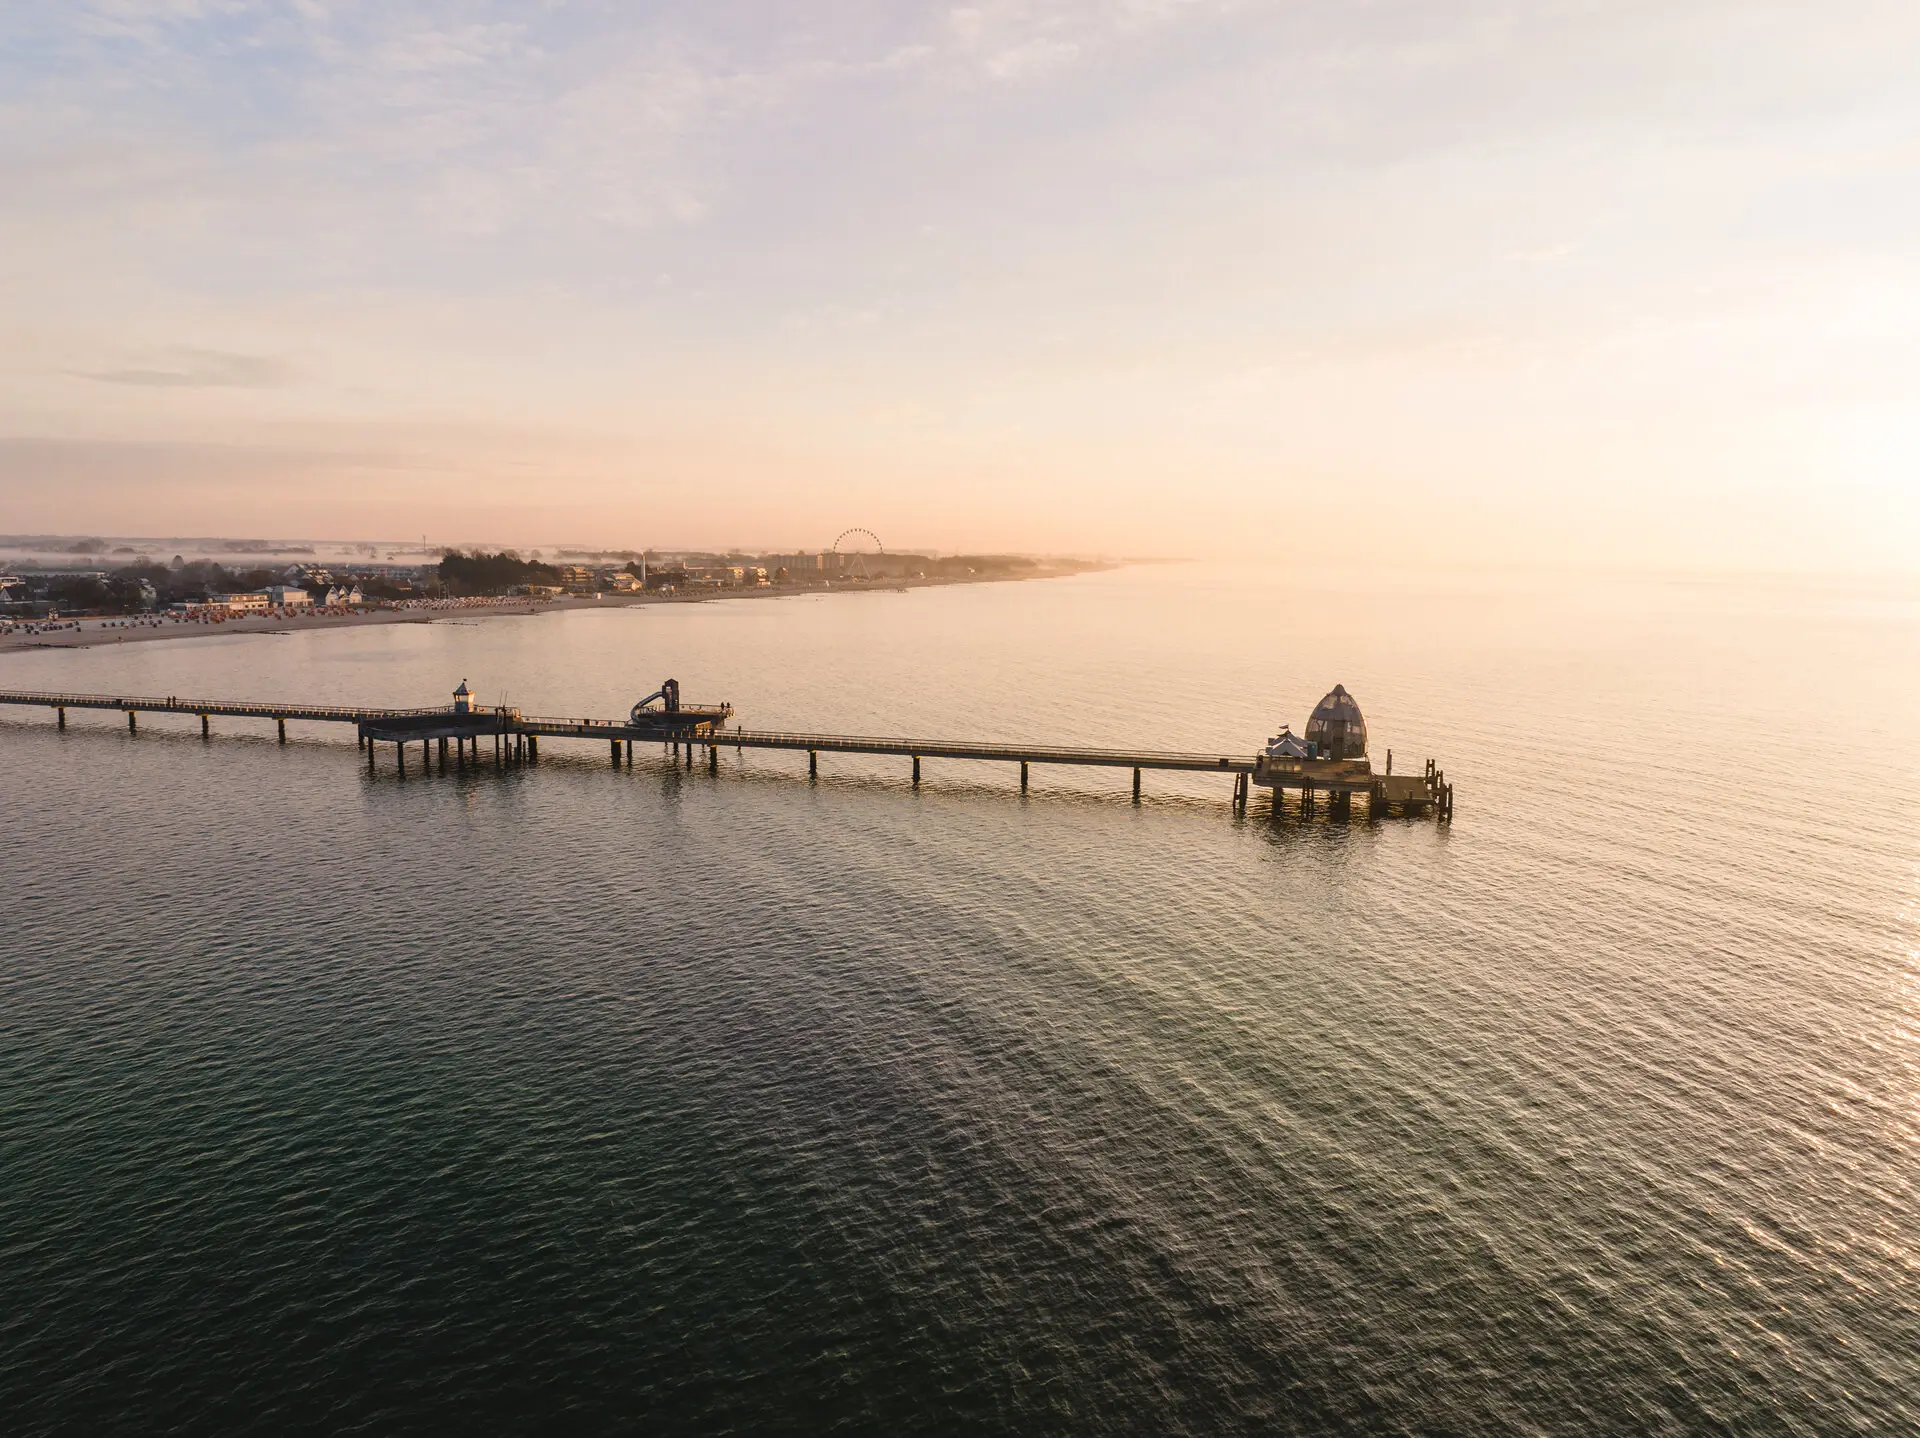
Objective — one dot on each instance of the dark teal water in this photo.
(574, 1100)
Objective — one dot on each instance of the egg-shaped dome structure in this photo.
(1337, 728)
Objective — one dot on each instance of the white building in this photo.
(288, 596)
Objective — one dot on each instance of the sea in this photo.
(577, 1099)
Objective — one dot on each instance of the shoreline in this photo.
(96, 631)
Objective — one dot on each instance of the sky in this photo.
(1556, 282)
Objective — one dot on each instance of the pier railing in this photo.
(174, 704)
(1004, 753)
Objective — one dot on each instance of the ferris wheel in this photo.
(853, 560)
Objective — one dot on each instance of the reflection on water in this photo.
(576, 1097)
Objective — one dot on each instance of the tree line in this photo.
(482, 573)
(121, 591)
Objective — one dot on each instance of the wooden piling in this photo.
(813, 763)
(63, 718)
(206, 729)
(916, 771)
(713, 758)
(1023, 776)
(400, 758)
(367, 744)
(1136, 784)
(132, 728)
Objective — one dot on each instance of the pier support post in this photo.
(1136, 783)
(283, 729)
(1306, 801)
(443, 754)
(916, 771)
(813, 763)
(206, 729)
(1023, 776)
(367, 744)
(63, 718)
(713, 758)
(533, 747)
(400, 757)
(689, 756)
(132, 727)
(426, 757)
(629, 753)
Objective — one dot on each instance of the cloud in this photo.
(202, 369)
(1022, 40)
(1033, 57)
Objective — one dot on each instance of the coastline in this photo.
(146, 629)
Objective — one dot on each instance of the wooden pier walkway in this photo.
(516, 739)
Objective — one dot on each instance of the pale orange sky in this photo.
(1615, 282)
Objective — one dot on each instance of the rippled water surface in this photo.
(577, 1099)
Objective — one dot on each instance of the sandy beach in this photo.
(142, 629)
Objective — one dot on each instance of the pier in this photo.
(505, 736)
